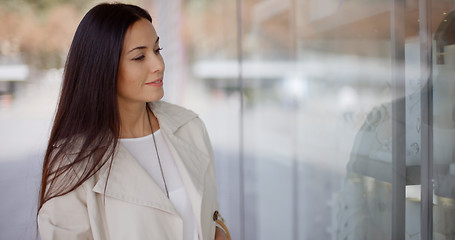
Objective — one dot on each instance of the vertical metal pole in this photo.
(398, 120)
(295, 181)
(426, 168)
(295, 164)
(241, 127)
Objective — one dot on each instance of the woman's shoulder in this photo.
(163, 107)
(173, 116)
(74, 156)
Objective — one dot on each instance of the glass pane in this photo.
(345, 119)
(200, 50)
(270, 117)
(443, 18)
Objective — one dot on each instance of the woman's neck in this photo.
(134, 121)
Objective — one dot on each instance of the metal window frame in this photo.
(240, 84)
(397, 22)
(426, 167)
(399, 121)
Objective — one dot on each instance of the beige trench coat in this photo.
(134, 207)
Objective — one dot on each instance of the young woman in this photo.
(121, 163)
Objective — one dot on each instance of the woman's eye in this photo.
(158, 50)
(139, 58)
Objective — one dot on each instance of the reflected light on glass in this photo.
(295, 88)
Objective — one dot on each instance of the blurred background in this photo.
(330, 119)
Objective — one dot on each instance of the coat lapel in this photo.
(129, 182)
(191, 162)
(186, 154)
(192, 166)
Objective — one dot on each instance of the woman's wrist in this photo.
(220, 234)
(220, 228)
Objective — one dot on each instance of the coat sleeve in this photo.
(65, 217)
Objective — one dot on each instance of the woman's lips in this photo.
(156, 83)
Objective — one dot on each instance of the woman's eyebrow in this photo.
(142, 47)
(136, 48)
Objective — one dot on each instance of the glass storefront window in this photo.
(340, 126)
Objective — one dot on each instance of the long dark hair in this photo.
(86, 127)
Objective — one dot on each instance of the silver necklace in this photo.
(157, 155)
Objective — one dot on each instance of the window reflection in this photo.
(443, 127)
(366, 196)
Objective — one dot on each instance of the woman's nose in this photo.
(157, 64)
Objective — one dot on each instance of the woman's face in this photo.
(141, 67)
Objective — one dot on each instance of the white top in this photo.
(143, 150)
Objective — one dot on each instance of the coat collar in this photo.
(170, 116)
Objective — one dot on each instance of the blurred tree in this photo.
(38, 33)
(41, 5)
